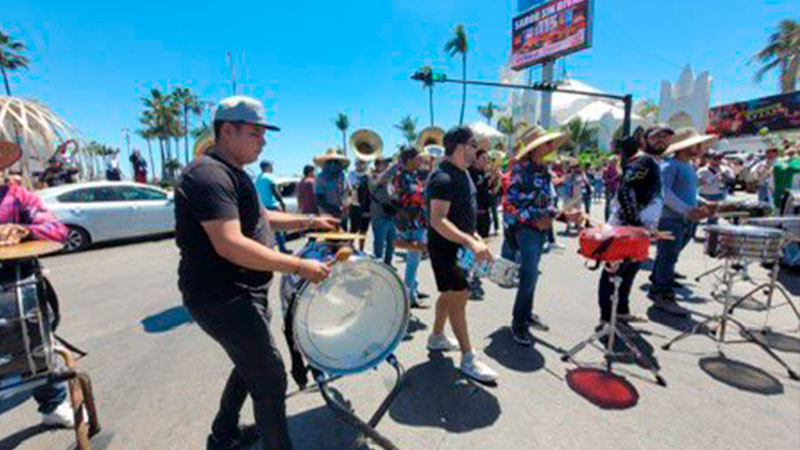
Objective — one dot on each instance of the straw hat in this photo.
(689, 137)
(531, 138)
(331, 154)
(9, 154)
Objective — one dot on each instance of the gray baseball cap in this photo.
(241, 108)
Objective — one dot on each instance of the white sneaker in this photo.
(476, 369)
(442, 343)
(62, 416)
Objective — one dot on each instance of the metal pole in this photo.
(626, 123)
(547, 96)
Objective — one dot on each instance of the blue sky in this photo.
(92, 61)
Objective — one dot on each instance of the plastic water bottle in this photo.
(466, 261)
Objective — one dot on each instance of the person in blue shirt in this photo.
(271, 197)
(682, 208)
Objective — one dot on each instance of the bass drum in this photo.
(353, 320)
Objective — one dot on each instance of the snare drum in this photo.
(745, 242)
(26, 344)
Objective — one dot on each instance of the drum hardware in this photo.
(24, 314)
(359, 292)
(737, 243)
(602, 244)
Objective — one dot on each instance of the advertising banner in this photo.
(777, 112)
(552, 29)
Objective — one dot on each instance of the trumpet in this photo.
(366, 144)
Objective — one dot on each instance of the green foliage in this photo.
(408, 126)
(581, 136)
(12, 57)
(782, 53)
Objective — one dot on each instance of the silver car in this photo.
(110, 210)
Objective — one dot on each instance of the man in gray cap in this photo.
(225, 239)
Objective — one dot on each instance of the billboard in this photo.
(524, 5)
(552, 29)
(777, 112)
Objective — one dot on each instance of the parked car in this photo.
(287, 186)
(110, 210)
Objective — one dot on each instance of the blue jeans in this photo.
(280, 236)
(384, 236)
(50, 396)
(529, 244)
(668, 253)
(714, 198)
(765, 195)
(412, 260)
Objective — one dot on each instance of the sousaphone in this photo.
(366, 144)
(204, 143)
(431, 141)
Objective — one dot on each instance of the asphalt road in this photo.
(158, 378)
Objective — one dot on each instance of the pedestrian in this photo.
(611, 180)
(359, 200)
(226, 264)
(330, 186)
(452, 205)
(382, 210)
(305, 192)
(139, 167)
(682, 208)
(528, 215)
(713, 181)
(480, 177)
(763, 173)
(271, 197)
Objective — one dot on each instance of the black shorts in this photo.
(444, 259)
(359, 222)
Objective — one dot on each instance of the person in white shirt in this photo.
(713, 180)
(762, 173)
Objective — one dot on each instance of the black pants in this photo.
(627, 271)
(241, 326)
(484, 223)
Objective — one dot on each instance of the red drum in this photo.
(609, 243)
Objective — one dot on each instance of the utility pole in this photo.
(547, 96)
(233, 73)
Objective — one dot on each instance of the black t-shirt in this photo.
(454, 185)
(211, 189)
(484, 197)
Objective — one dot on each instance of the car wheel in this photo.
(77, 239)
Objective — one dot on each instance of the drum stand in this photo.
(345, 412)
(611, 330)
(723, 319)
(770, 287)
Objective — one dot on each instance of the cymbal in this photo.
(334, 236)
(30, 249)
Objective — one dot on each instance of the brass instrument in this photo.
(366, 144)
(430, 136)
(204, 143)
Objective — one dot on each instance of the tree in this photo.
(12, 57)
(650, 109)
(507, 126)
(581, 135)
(342, 123)
(782, 52)
(408, 125)
(488, 111)
(188, 103)
(162, 113)
(458, 45)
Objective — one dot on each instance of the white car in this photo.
(110, 210)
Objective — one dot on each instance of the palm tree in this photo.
(163, 114)
(408, 125)
(11, 57)
(342, 123)
(782, 52)
(455, 46)
(188, 102)
(488, 111)
(507, 126)
(581, 135)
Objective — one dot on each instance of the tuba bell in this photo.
(430, 136)
(204, 143)
(366, 144)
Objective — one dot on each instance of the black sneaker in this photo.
(521, 336)
(422, 295)
(680, 276)
(247, 435)
(536, 322)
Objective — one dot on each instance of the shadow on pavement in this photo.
(320, 428)
(166, 320)
(9, 403)
(515, 357)
(625, 356)
(16, 439)
(777, 341)
(740, 375)
(436, 395)
(790, 280)
(415, 324)
(670, 320)
(603, 389)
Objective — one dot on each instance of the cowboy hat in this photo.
(9, 154)
(689, 137)
(331, 154)
(531, 138)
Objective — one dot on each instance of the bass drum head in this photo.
(354, 319)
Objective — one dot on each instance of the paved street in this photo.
(158, 377)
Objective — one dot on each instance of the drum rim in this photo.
(383, 354)
(746, 231)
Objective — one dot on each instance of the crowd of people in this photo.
(227, 226)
